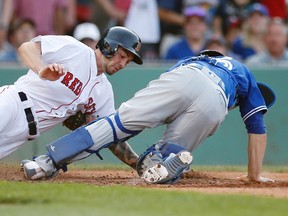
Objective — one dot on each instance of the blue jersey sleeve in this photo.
(251, 102)
(255, 124)
(252, 106)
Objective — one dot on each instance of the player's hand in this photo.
(52, 72)
(90, 118)
(245, 178)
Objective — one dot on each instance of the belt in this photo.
(210, 74)
(29, 116)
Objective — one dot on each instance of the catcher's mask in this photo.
(120, 36)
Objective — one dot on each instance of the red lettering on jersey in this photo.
(67, 78)
(90, 107)
(78, 88)
(72, 83)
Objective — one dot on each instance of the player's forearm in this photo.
(7, 12)
(171, 17)
(5, 18)
(107, 6)
(125, 153)
(256, 152)
(30, 53)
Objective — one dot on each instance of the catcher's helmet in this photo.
(120, 36)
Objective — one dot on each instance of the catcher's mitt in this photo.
(75, 121)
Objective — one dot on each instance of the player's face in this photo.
(120, 60)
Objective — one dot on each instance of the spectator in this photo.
(210, 7)
(87, 33)
(217, 43)
(276, 8)
(6, 9)
(84, 10)
(276, 52)
(229, 11)
(234, 31)
(172, 19)
(171, 23)
(70, 14)
(143, 18)
(193, 42)
(117, 10)
(49, 16)
(22, 30)
(251, 40)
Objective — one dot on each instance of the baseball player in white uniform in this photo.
(192, 98)
(65, 76)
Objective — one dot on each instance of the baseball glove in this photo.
(75, 121)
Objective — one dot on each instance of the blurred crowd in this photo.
(254, 32)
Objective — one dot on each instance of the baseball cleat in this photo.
(155, 173)
(170, 170)
(176, 165)
(32, 170)
(179, 162)
(23, 162)
(185, 157)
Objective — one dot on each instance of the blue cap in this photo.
(195, 11)
(257, 7)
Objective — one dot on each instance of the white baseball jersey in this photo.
(54, 101)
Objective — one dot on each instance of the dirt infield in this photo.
(199, 181)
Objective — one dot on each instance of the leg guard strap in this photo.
(107, 131)
(168, 148)
(122, 128)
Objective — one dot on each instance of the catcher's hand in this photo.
(245, 178)
(75, 121)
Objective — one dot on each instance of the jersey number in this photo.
(226, 62)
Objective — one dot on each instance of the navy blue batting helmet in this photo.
(120, 36)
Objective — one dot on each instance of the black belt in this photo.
(29, 116)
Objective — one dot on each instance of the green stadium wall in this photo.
(227, 147)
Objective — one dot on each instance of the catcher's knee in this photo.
(109, 130)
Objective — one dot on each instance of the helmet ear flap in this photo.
(109, 49)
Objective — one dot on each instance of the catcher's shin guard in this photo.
(63, 150)
(90, 138)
